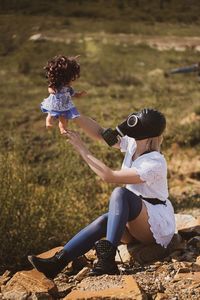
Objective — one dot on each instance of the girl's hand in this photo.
(75, 140)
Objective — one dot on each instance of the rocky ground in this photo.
(147, 272)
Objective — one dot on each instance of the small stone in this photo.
(162, 269)
(188, 276)
(38, 37)
(174, 260)
(125, 254)
(186, 264)
(172, 273)
(156, 73)
(5, 278)
(190, 232)
(160, 287)
(198, 260)
(83, 273)
(79, 263)
(161, 296)
(61, 277)
(167, 278)
(64, 289)
(183, 270)
(91, 255)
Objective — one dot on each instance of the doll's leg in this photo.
(49, 120)
(62, 124)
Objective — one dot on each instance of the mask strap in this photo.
(119, 131)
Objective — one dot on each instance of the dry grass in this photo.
(47, 193)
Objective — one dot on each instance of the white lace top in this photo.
(152, 169)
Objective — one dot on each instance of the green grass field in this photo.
(47, 192)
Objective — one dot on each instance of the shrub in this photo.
(186, 135)
(28, 213)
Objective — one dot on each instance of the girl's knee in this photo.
(117, 198)
(102, 220)
(118, 192)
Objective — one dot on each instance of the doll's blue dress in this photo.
(60, 104)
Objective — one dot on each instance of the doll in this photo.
(61, 71)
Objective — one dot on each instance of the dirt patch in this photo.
(161, 43)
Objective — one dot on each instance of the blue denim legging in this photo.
(124, 206)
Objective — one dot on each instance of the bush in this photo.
(186, 135)
(29, 214)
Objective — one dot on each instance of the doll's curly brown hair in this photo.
(61, 70)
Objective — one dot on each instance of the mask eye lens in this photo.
(132, 121)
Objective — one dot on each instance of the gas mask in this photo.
(141, 125)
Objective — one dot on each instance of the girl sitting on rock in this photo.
(140, 209)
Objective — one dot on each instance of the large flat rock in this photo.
(106, 287)
(26, 283)
(50, 252)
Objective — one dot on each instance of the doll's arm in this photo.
(51, 91)
(80, 94)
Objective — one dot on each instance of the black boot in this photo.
(50, 267)
(106, 259)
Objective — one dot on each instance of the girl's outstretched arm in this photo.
(92, 128)
(104, 172)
